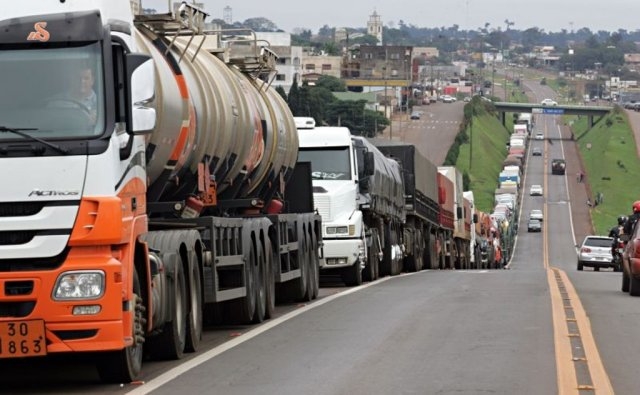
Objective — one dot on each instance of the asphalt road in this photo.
(433, 133)
(433, 332)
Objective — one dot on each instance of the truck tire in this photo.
(625, 281)
(242, 310)
(124, 366)
(314, 269)
(634, 286)
(194, 319)
(258, 261)
(170, 343)
(352, 275)
(370, 272)
(295, 289)
(270, 261)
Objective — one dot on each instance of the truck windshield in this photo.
(327, 163)
(58, 92)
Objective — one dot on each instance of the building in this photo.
(374, 27)
(376, 65)
(288, 66)
(315, 66)
(632, 61)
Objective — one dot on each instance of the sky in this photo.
(550, 15)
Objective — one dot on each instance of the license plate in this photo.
(22, 339)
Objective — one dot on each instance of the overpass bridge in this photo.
(561, 109)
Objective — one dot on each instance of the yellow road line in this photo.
(599, 376)
(566, 373)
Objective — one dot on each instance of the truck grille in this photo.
(16, 237)
(21, 209)
(30, 264)
(323, 204)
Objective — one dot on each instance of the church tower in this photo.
(374, 27)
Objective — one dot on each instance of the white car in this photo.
(539, 136)
(536, 214)
(535, 190)
(549, 102)
(448, 99)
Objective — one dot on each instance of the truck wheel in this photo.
(296, 289)
(352, 275)
(370, 272)
(258, 261)
(270, 261)
(634, 286)
(596, 268)
(124, 366)
(194, 319)
(241, 311)
(314, 271)
(170, 343)
(625, 281)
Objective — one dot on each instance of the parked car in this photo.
(549, 102)
(415, 115)
(536, 151)
(534, 225)
(535, 190)
(595, 251)
(536, 214)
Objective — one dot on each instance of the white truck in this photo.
(359, 194)
(124, 228)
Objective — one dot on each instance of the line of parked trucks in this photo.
(189, 194)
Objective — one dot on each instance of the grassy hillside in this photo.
(610, 158)
(482, 155)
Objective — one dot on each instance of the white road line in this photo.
(214, 352)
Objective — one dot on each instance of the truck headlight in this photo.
(341, 230)
(79, 285)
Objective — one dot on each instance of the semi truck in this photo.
(123, 230)
(422, 228)
(358, 193)
(456, 207)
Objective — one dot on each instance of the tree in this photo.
(332, 84)
(330, 48)
(294, 98)
(281, 92)
(353, 115)
(325, 34)
(260, 25)
(364, 40)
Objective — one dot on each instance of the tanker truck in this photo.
(124, 228)
(359, 194)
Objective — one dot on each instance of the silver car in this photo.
(595, 251)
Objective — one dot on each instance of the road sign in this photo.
(554, 111)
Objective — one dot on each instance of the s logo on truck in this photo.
(41, 34)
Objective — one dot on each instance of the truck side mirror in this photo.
(475, 218)
(369, 164)
(141, 116)
(459, 213)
